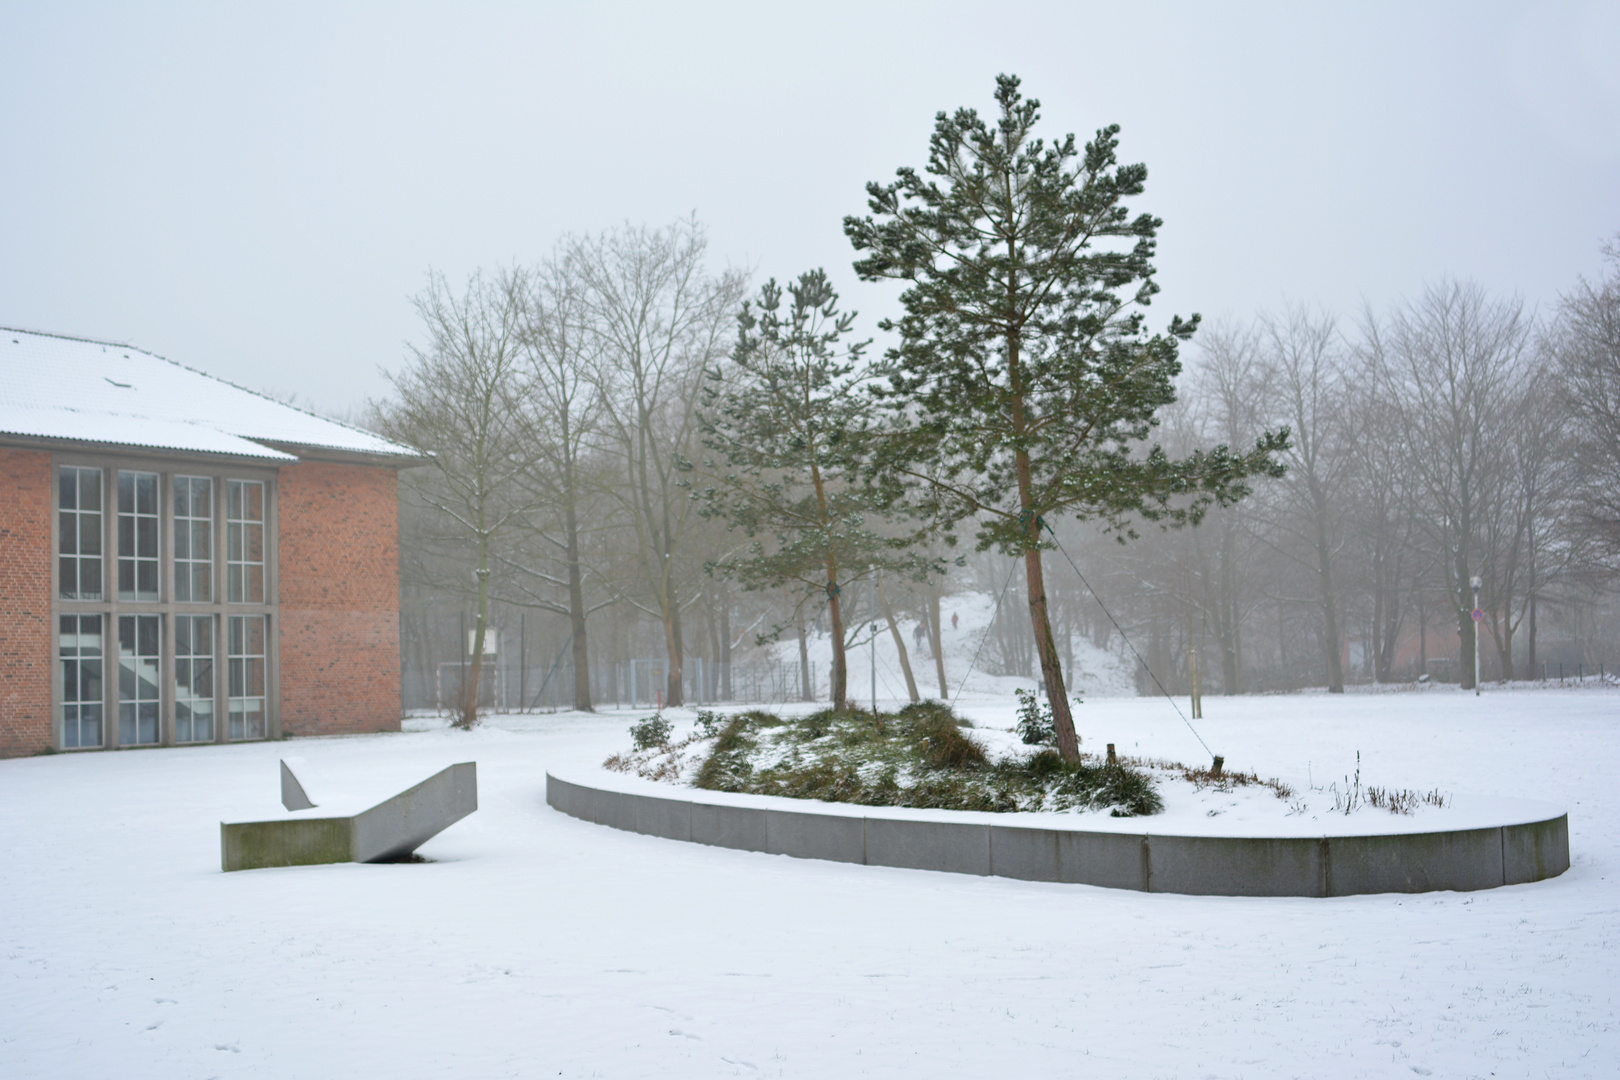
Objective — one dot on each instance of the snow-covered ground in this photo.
(539, 945)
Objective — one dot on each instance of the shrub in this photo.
(917, 711)
(728, 767)
(1035, 720)
(943, 744)
(918, 757)
(651, 732)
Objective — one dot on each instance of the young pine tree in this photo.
(1024, 383)
(787, 420)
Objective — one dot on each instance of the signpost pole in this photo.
(1479, 619)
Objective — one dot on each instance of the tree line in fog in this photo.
(635, 454)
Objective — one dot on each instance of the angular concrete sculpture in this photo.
(294, 777)
(390, 830)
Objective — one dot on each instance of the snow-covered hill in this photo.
(970, 654)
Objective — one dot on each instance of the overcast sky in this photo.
(257, 190)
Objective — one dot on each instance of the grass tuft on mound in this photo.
(917, 757)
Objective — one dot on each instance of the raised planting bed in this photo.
(1492, 842)
(915, 790)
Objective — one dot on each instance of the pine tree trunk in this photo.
(899, 642)
(725, 642)
(807, 692)
(1068, 743)
(840, 661)
(935, 628)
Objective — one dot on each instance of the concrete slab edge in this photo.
(1462, 860)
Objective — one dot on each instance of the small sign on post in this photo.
(1479, 615)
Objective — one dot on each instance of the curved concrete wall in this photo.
(1462, 860)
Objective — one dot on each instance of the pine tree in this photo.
(787, 420)
(1025, 384)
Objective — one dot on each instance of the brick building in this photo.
(184, 561)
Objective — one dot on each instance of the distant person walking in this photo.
(954, 620)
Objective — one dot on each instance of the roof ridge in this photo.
(74, 337)
(195, 371)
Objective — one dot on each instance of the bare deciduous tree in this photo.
(456, 401)
(1453, 364)
(1586, 342)
(659, 319)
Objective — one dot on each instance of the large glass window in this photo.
(79, 533)
(139, 688)
(144, 628)
(246, 681)
(194, 678)
(79, 656)
(244, 541)
(137, 535)
(194, 539)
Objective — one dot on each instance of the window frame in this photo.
(110, 607)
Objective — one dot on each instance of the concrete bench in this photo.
(391, 830)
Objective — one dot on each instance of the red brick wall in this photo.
(339, 580)
(25, 602)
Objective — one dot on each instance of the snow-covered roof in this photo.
(95, 391)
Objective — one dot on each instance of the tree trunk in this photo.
(1068, 743)
(1423, 635)
(807, 692)
(1466, 627)
(1530, 672)
(899, 641)
(1330, 608)
(711, 674)
(576, 608)
(1226, 614)
(1046, 648)
(475, 669)
(725, 642)
(677, 651)
(835, 619)
(1504, 647)
(935, 629)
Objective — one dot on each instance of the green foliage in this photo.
(651, 732)
(1025, 378)
(787, 421)
(709, 723)
(727, 767)
(1034, 720)
(920, 757)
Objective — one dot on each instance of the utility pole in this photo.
(871, 595)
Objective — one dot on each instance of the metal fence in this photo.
(641, 683)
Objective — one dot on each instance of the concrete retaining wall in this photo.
(1461, 860)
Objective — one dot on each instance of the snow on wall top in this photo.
(73, 388)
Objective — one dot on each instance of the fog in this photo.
(257, 192)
